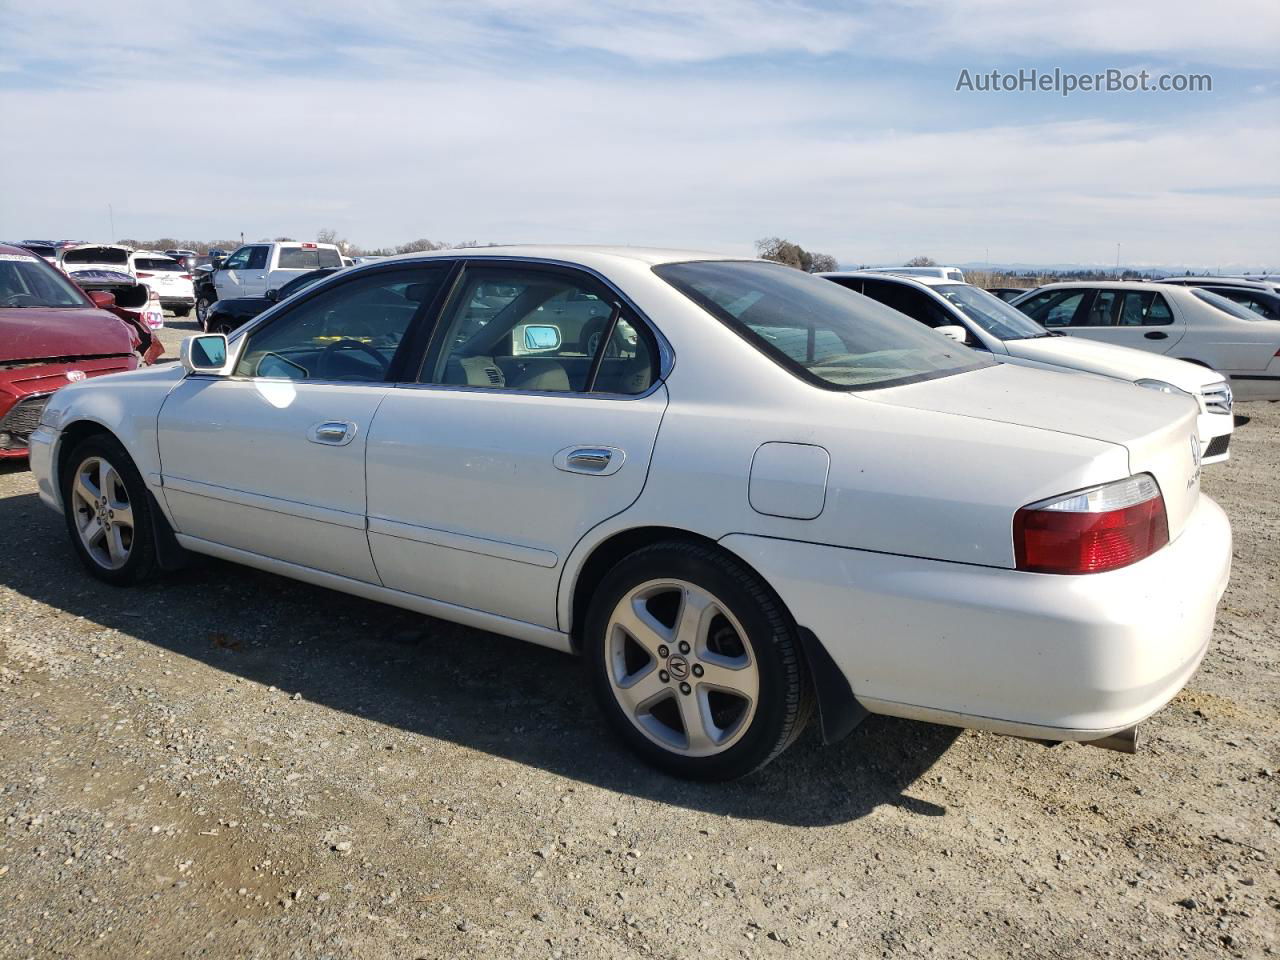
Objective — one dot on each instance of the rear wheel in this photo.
(695, 662)
(181, 311)
(203, 303)
(107, 511)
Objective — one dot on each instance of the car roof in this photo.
(80, 245)
(15, 249)
(1112, 285)
(1219, 282)
(586, 254)
(924, 281)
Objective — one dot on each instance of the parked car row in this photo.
(980, 320)
(1189, 323)
(747, 496)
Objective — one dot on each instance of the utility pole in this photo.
(1117, 259)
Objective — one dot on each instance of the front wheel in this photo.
(695, 662)
(107, 512)
(203, 303)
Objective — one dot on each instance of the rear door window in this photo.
(1142, 309)
(515, 328)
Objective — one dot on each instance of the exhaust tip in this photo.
(1122, 741)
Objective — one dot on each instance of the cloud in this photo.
(651, 122)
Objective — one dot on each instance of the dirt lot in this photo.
(228, 764)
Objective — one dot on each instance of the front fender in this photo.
(125, 405)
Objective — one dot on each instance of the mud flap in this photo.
(838, 709)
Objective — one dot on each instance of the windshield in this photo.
(40, 250)
(27, 281)
(990, 312)
(97, 255)
(1225, 305)
(823, 333)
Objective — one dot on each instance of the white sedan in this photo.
(985, 322)
(1187, 323)
(759, 498)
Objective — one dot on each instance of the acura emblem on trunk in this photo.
(74, 375)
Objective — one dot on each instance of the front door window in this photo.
(353, 331)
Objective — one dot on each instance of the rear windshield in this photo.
(820, 331)
(97, 255)
(149, 263)
(40, 250)
(1225, 305)
(27, 281)
(308, 258)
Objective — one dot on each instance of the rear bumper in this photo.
(1057, 657)
(170, 302)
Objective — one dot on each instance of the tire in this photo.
(122, 560)
(181, 311)
(202, 312)
(646, 694)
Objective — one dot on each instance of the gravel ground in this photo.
(227, 763)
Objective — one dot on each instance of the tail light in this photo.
(184, 276)
(1103, 528)
(141, 276)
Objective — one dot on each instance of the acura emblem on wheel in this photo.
(678, 667)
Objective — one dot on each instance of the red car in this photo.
(52, 333)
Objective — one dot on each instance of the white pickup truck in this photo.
(258, 267)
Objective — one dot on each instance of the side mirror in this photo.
(205, 354)
(541, 337)
(273, 295)
(956, 332)
(102, 299)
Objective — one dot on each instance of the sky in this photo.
(699, 125)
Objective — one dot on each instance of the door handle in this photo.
(333, 433)
(597, 461)
(1156, 335)
(594, 460)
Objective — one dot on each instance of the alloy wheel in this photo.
(681, 667)
(103, 513)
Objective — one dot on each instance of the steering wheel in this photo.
(326, 358)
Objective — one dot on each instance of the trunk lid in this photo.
(1158, 430)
